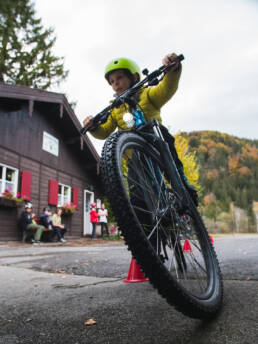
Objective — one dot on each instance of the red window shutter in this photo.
(75, 197)
(26, 179)
(52, 192)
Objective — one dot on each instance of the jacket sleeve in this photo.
(104, 130)
(160, 94)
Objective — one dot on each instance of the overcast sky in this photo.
(218, 89)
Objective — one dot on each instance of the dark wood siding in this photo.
(21, 138)
(29, 137)
(77, 229)
(8, 224)
(9, 158)
(64, 179)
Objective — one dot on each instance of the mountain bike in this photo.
(155, 212)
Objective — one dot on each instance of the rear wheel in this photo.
(172, 247)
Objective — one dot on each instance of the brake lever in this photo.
(180, 58)
(84, 130)
(97, 120)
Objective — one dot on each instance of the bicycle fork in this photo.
(170, 165)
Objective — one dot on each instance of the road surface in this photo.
(47, 295)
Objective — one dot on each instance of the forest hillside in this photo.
(228, 171)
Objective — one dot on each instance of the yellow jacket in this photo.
(151, 99)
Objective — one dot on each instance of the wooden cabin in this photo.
(44, 159)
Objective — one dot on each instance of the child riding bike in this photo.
(143, 182)
(123, 73)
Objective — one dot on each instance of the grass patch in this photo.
(113, 238)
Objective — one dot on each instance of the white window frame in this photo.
(50, 144)
(98, 203)
(61, 200)
(3, 180)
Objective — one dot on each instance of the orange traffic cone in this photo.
(211, 239)
(135, 274)
(187, 247)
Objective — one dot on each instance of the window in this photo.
(8, 179)
(64, 194)
(98, 203)
(50, 144)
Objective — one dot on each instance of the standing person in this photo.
(93, 219)
(57, 225)
(27, 223)
(103, 214)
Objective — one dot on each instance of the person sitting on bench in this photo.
(58, 226)
(26, 223)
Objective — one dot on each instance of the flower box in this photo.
(68, 209)
(5, 202)
(9, 200)
(67, 213)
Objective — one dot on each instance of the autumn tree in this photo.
(25, 47)
(188, 159)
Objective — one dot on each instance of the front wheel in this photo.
(172, 247)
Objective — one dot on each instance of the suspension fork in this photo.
(169, 163)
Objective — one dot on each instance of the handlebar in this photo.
(150, 79)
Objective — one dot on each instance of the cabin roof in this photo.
(59, 103)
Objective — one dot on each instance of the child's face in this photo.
(119, 81)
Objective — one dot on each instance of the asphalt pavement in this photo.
(63, 294)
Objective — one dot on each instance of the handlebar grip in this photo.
(83, 131)
(181, 57)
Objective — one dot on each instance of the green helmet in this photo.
(122, 63)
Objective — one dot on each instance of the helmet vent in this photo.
(115, 62)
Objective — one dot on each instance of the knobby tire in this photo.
(155, 229)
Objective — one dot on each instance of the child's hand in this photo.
(170, 58)
(88, 121)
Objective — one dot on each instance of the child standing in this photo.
(93, 219)
(103, 214)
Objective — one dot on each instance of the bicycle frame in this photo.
(156, 139)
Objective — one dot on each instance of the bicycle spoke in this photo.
(155, 204)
